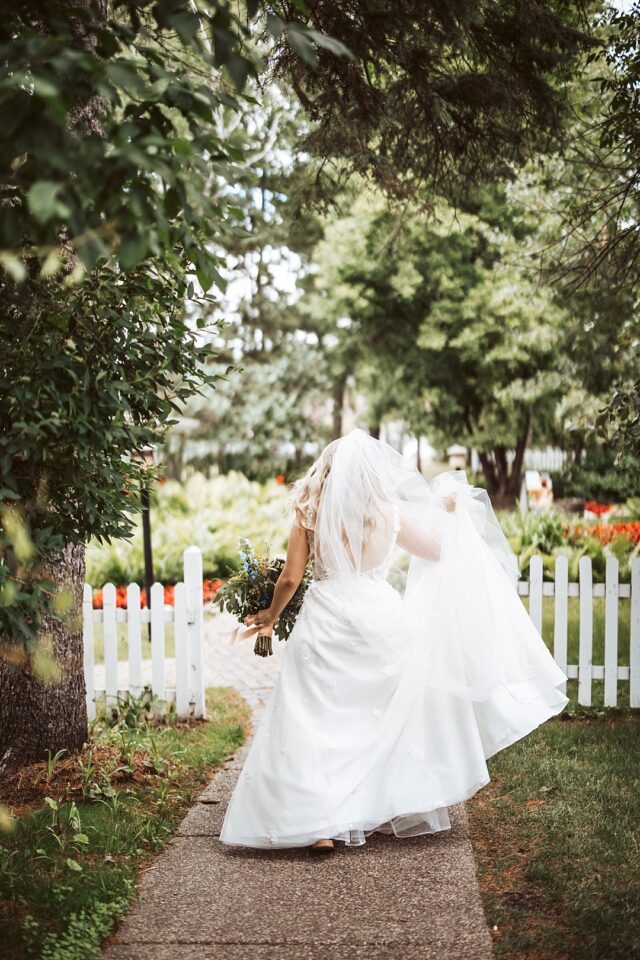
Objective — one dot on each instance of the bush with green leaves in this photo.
(212, 513)
(599, 475)
(114, 174)
(552, 534)
(215, 513)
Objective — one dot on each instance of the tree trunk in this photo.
(503, 483)
(515, 480)
(37, 715)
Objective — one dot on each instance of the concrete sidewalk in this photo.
(202, 900)
(404, 899)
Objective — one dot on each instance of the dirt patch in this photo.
(98, 766)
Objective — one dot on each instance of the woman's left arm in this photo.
(288, 581)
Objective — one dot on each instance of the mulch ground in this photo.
(25, 788)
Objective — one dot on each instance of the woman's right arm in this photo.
(419, 542)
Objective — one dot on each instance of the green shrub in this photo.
(598, 478)
(211, 513)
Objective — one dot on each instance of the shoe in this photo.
(322, 851)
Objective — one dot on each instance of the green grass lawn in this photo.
(556, 835)
(557, 831)
(123, 644)
(70, 860)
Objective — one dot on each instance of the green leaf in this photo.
(182, 147)
(172, 202)
(90, 249)
(127, 76)
(239, 69)
(275, 25)
(302, 45)
(186, 25)
(330, 43)
(224, 43)
(73, 865)
(42, 200)
(131, 251)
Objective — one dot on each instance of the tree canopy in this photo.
(115, 172)
(436, 94)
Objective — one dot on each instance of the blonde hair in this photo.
(305, 494)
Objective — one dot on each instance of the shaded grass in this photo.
(68, 872)
(557, 830)
(557, 839)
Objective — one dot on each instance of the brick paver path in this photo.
(234, 664)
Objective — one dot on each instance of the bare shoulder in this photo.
(299, 538)
(298, 533)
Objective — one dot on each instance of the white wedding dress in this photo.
(387, 705)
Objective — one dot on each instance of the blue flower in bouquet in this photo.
(251, 589)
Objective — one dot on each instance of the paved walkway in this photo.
(202, 900)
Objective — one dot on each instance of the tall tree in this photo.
(453, 338)
(109, 133)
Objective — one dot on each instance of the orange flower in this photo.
(605, 532)
(209, 590)
(280, 478)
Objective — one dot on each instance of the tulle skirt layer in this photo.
(371, 727)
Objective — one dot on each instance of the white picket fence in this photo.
(186, 615)
(614, 593)
(547, 458)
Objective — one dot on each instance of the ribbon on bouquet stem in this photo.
(264, 641)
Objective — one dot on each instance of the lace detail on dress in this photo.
(319, 573)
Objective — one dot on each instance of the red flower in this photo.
(209, 590)
(605, 532)
(597, 508)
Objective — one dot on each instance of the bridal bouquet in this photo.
(251, 590)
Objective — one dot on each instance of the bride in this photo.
(387, 705)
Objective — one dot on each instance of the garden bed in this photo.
(80, 828)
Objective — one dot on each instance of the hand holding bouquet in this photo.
(248, 594)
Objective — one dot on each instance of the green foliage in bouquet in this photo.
(251, 590)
